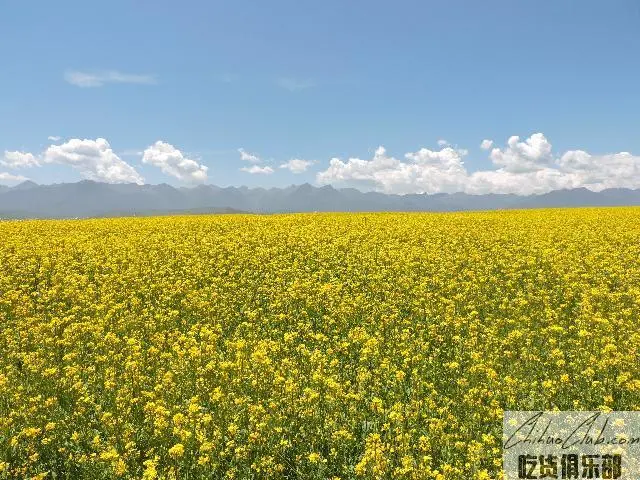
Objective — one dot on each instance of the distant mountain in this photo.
(26, 185)
(93, 199)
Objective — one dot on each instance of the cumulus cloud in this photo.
(442, 142)
(258, 169)
(425, 171)
(597, 172)
(94, 159)
(519, 157)
(19, 160)
(99, 79)
(248, 157)
(53, 138)
(297, 165)
(173, 162)
(524, 183)
(486, 144)
(10, 178)
(521, 167)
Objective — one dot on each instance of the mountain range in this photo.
(94, 199)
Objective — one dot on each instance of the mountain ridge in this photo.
(88, 198)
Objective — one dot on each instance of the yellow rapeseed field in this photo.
(307, 346)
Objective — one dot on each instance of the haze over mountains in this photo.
(93, 199)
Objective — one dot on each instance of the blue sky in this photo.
(312, 81)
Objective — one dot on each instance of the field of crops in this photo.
(307, 346)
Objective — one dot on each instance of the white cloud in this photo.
(257, 169)
(597, 172)
(19, 160)
(53, 138)
(294, 84)
(8, 177)
(94, 159)
(99, 79)
(522, 183)
(131, 152)
(297, 165)
(519, 157)
(248, 157)
(486, 144)
(521, 167)
(442, 142)
(173, 162)
(426, 171)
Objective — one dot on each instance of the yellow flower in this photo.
(109, 455)
(398, 338)
(120, 468)
(314, 457)
(177, 450)
(150, 472)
